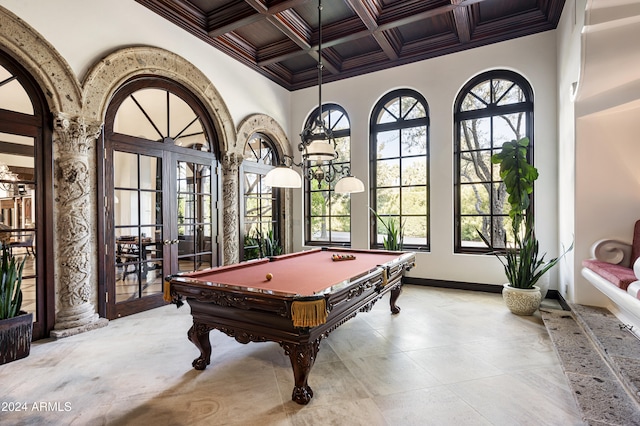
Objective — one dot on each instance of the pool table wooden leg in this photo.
(394, 294)
(198, 334)
(302, 357)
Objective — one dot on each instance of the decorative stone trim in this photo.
(75, 183)
(108, 75)
(230, 190)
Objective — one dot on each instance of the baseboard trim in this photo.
(487, 288)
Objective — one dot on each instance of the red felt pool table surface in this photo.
(303, 274)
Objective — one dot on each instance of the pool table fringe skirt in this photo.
(309, 313)
(166, 293)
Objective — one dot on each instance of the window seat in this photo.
(615, 271)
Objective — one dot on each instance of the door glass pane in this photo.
(125, 170)
(159, 115)
(13, 97)
(195, 216)
(137, 225)
(151, 174)
(18, 203)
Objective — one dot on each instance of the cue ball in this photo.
(269, 276)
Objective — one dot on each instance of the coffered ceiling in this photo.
(279, 38)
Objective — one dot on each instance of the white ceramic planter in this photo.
(522, 301)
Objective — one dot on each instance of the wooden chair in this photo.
(23, 240)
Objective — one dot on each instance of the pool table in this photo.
(295, 300)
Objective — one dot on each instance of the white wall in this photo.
(607, 111)
(439, 80)
(83, 32)
(569, 62)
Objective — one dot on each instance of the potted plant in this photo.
(395, 234)
(522, 261)
(16, 326)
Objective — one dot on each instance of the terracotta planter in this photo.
(522, 301)
(15, 337)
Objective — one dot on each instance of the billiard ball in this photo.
(269, 276)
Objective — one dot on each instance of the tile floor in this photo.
(451, 357)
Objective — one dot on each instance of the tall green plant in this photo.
(394, 239)
(271, 246)
(523, 265)
(518, 177)
(10, 282)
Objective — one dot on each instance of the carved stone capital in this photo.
(74, 135)
(231, 163)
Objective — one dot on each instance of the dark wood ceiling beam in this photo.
(241, 48)
(331, 61)
(366, 16)
(462, 21)
(369, 14)
(366, 11)
(258, 5)
(232, 17)
(297, 30)
(282, 6)
(278, 52)
(328, 61)
(293, 26)
(180, 12)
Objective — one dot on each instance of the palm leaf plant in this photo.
(10, 283)
(523, 264)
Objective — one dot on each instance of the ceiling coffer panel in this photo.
(279, 38)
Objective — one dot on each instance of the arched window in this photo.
(329, 213)
(492, 108)
(261, 203)
(400, 167)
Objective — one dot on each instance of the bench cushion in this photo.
(620, 276)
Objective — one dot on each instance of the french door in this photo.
(159, 174)
(164, 221)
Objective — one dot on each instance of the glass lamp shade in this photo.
(283, 177)
(320, 151)
(349, 185)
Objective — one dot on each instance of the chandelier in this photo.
(317, 150)
(7, 177)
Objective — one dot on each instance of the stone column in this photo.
(230, 188)
(75, 210)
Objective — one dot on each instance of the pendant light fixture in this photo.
(317, 149)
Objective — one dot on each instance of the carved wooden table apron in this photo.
(298, 323)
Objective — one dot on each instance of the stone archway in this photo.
(109, 74)
(106, 76)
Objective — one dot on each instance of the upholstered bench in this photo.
(615, 271)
